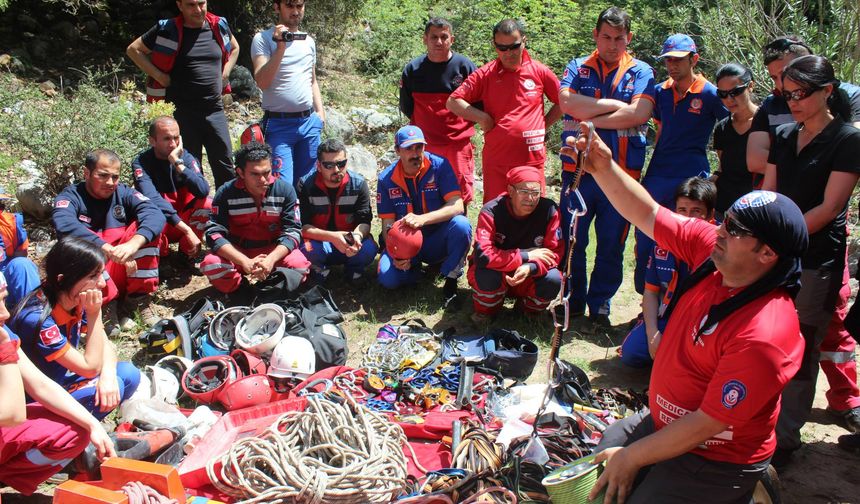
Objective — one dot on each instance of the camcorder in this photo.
(289, 36)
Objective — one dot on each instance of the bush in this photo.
(56, 133)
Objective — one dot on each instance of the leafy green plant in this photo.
(57, 132)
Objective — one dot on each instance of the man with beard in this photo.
(336, 215)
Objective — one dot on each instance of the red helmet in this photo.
(207, 377)
(248, 363)
(246, 391)
(403, 242)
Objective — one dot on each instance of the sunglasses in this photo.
(508, 47)
(330, 165)
(734, 228)
(733, 92)
(798, 94)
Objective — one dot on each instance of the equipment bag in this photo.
(502, 351)
(320, 323)
(278, 286)
(175, 336)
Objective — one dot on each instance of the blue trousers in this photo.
(323, 254)
(662, 189)
(22, 278)
(634, 349)
(84, 390)
(611, 230)
(447, 244)
(294, 144)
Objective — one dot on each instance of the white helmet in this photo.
(165, 386)
(177, 366)
(294, 359)
(222, 329)
(261, 330)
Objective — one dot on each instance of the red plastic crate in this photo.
(233, 426)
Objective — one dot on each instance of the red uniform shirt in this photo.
(736, 372)
(515, 102)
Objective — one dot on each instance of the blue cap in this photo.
(409, 135)
(678, 45)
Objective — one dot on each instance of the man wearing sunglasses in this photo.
(425, 85)
(512, 89)
(124, 223)
(731, 343)
(616, 93)
(517, 249)
(336, 216)
(686, 109)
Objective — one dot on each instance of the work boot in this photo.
(110, 319)
(451, 300)
(142, 304)
(850, 417)
(850, 442)
(600, 320)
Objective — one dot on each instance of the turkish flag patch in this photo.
(395, 193)
(63, 203)
(51, 335)
(138, 172)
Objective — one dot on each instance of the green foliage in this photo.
(56, 133)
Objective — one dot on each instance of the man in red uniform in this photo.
(511, 88)
(254, 226)
(170, 177)
(517, 248)
(726, 354)
(425, 86)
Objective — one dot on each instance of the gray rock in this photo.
(32, 197)
(338, 126)
(243, 84)
(362, 161)
(389, 157)
(371, 119)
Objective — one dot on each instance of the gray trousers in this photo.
(815, 304)
(686, 478)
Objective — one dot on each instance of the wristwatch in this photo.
(179, 163)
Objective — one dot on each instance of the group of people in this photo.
(743, 272)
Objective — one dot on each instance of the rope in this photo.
(138, 493)
(330, 453)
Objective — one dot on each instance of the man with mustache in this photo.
(336, 215)
(285, 69)
(421, 191)
(517, 249)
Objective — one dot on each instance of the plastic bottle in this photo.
(200, 422)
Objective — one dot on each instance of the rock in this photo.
(66, 32)
(362, 161)
(227, 100)
(48, 88)
(243, 84)
(32, 197)
(371, 119)
(389, 157)
(27, 23)
(90, 27)
(5, 60)
(338, 126)
(40, 49)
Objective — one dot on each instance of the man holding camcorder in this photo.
(285, 69)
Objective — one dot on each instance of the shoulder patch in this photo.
(584, 72)
(734, 392)
(138, 172)
(50, 336)
(63, 203)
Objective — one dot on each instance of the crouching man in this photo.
(336, 215)
(254, 225)
(421, 189)
(517, 248)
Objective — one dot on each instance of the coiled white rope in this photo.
(330, 453)
(138, 493)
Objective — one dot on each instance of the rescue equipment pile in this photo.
(426, 417)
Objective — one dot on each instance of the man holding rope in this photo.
(726, 354)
